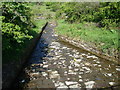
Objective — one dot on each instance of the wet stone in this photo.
(77, 52)
(59, 63)
(68, 78)
(95, 64)
(88, 71)
(54, 72)
(70, 55)
(77, 65)
(33, 74)
(94, 57)
(58, 56)
(74, 50)
(44, 74)
(62, 87)
(98, 62)
(54, 76)
(111, 83)
(83, 54)
(62, 58)
(76, 56)
(118, 69)
(63, 61)
(78, 60)
(70, 82)
(55, 58)
(65, 72)
(76, 69)
(45, 66)
(86, 68)
(72, 73)
(22, 81)
(109, 74)
(62, 66)
(33, 70)
(76, 86)
(64, 47)
(80, 76)
(58, 83)
(55, 43)
(99, 65)
(44, 62)
(89, 84)
(81, 72)
(70, 67)
(80, 80)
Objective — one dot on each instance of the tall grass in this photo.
(89, 32)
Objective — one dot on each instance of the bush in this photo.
(102, 13)
(15, 24)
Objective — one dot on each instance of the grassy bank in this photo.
(106, 40)
(94, 23)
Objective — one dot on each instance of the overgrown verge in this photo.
(19, 29)
(103, 41)
(95, 23)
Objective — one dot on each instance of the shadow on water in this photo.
(56, 64)
(13, 59)
(34, 64)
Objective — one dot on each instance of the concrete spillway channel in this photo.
(56, 64)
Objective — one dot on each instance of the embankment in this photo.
(13, 69)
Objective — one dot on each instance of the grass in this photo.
(39, 24)
(105, 39)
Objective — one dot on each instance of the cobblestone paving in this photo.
(55, 64)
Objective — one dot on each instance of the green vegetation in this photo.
(93, 22)
(88, 32)
(19, 26)
(106, 14)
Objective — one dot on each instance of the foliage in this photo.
(15, 24)
(84, 17)
(105, 13)
(88, 32)
(108, 14)
(19, 26)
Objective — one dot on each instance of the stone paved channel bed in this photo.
(55, 64)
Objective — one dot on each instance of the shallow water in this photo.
(56, 64)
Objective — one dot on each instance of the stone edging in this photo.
(81, 44)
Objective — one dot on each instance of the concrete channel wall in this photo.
(11, 77)
(88, 48)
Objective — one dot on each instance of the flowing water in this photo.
(56, 64)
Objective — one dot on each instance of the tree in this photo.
(15, 24)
